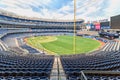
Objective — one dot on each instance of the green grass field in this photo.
(63, 45)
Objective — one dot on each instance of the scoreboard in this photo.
(105, 25)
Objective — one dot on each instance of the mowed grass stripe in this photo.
(64, 44)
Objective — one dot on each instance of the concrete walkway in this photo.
(57, 70)
(61, 71)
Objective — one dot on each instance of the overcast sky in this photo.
(63, 9)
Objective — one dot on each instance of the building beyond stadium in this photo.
(115, 22)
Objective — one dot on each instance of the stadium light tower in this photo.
(74, 35)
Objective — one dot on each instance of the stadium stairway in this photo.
(57, 70)
(54, 73)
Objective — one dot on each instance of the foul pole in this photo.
(74, 35)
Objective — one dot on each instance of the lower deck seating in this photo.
(25, 67)
(17, 50)
(74, 64)
(111, 46)
(1, 48)
(30, 49)
(102, 77)
(101, 39)
(24, 46)
(24, 76)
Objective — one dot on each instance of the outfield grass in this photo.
(62, 45)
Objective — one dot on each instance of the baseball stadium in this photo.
(59, 40)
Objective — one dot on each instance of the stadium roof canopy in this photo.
(61, 9)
